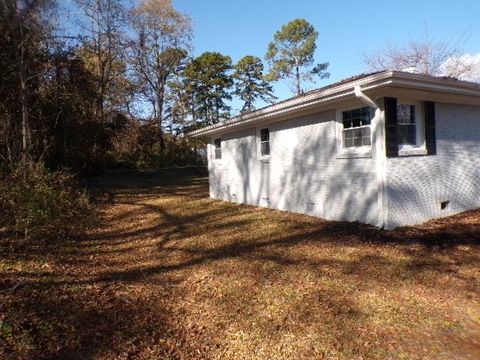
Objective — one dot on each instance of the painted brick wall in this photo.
(303, 173)
(417, 185)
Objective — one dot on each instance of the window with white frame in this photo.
(264, 142)
(409, 124)
(356, 127)
(218, 148)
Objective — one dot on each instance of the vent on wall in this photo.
(444, 204)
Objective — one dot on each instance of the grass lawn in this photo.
(170, 274)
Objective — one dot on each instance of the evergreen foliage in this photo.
(291, 54)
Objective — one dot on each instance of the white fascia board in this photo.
(297, 104)
(436, 87)
(288, 108)
(446, 82)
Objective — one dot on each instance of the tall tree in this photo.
(291, 54)
(159, 52)
(103, 48)
(177, 109)
(250, 83)
(208, 80)
(24, 33)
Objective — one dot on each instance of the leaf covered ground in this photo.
(170, 274)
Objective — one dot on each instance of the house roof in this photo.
(342, 90)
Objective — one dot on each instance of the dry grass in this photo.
(172, 274)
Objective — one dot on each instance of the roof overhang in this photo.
(371, 84)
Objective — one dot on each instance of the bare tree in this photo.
(463, 67)
(425, 56)
(103, 48)
(159, 51)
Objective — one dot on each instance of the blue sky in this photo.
(347, 29)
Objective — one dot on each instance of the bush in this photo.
(144, 146)
(37, 203)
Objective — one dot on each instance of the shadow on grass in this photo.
(184, 234)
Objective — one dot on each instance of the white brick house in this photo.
(388, 149)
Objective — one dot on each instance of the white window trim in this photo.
(261, 157)
(352, 152)
(421, 147)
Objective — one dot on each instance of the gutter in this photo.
(296, 104)
(386, 78)
(378, 131)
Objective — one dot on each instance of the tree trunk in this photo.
(297, 77)
(24, 102)
(7, 132)
(160, 100)
(194, 113)
(100, 112)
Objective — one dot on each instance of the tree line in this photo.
(121, 85)
(114, 87)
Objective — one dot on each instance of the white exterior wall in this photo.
(417, 185)
(303, 173)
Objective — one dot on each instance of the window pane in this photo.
(265, 148)
(407, 135)
(406, 114)
(218, 143)
(412, 134)
(264, 135)
(218, 153)
(356, 130)
(348, 134)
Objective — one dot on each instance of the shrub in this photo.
(37, 203)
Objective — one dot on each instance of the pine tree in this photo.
(209, 81)
(292, 50)
(250, 83)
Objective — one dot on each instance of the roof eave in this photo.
(344, 91)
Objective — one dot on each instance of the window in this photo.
(407, 129)
(264, 142)
(410, 125)
(218, 148)
(356, 127)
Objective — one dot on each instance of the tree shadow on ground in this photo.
(115, 291)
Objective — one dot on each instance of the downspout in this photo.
(379, 154)
(359, 94)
